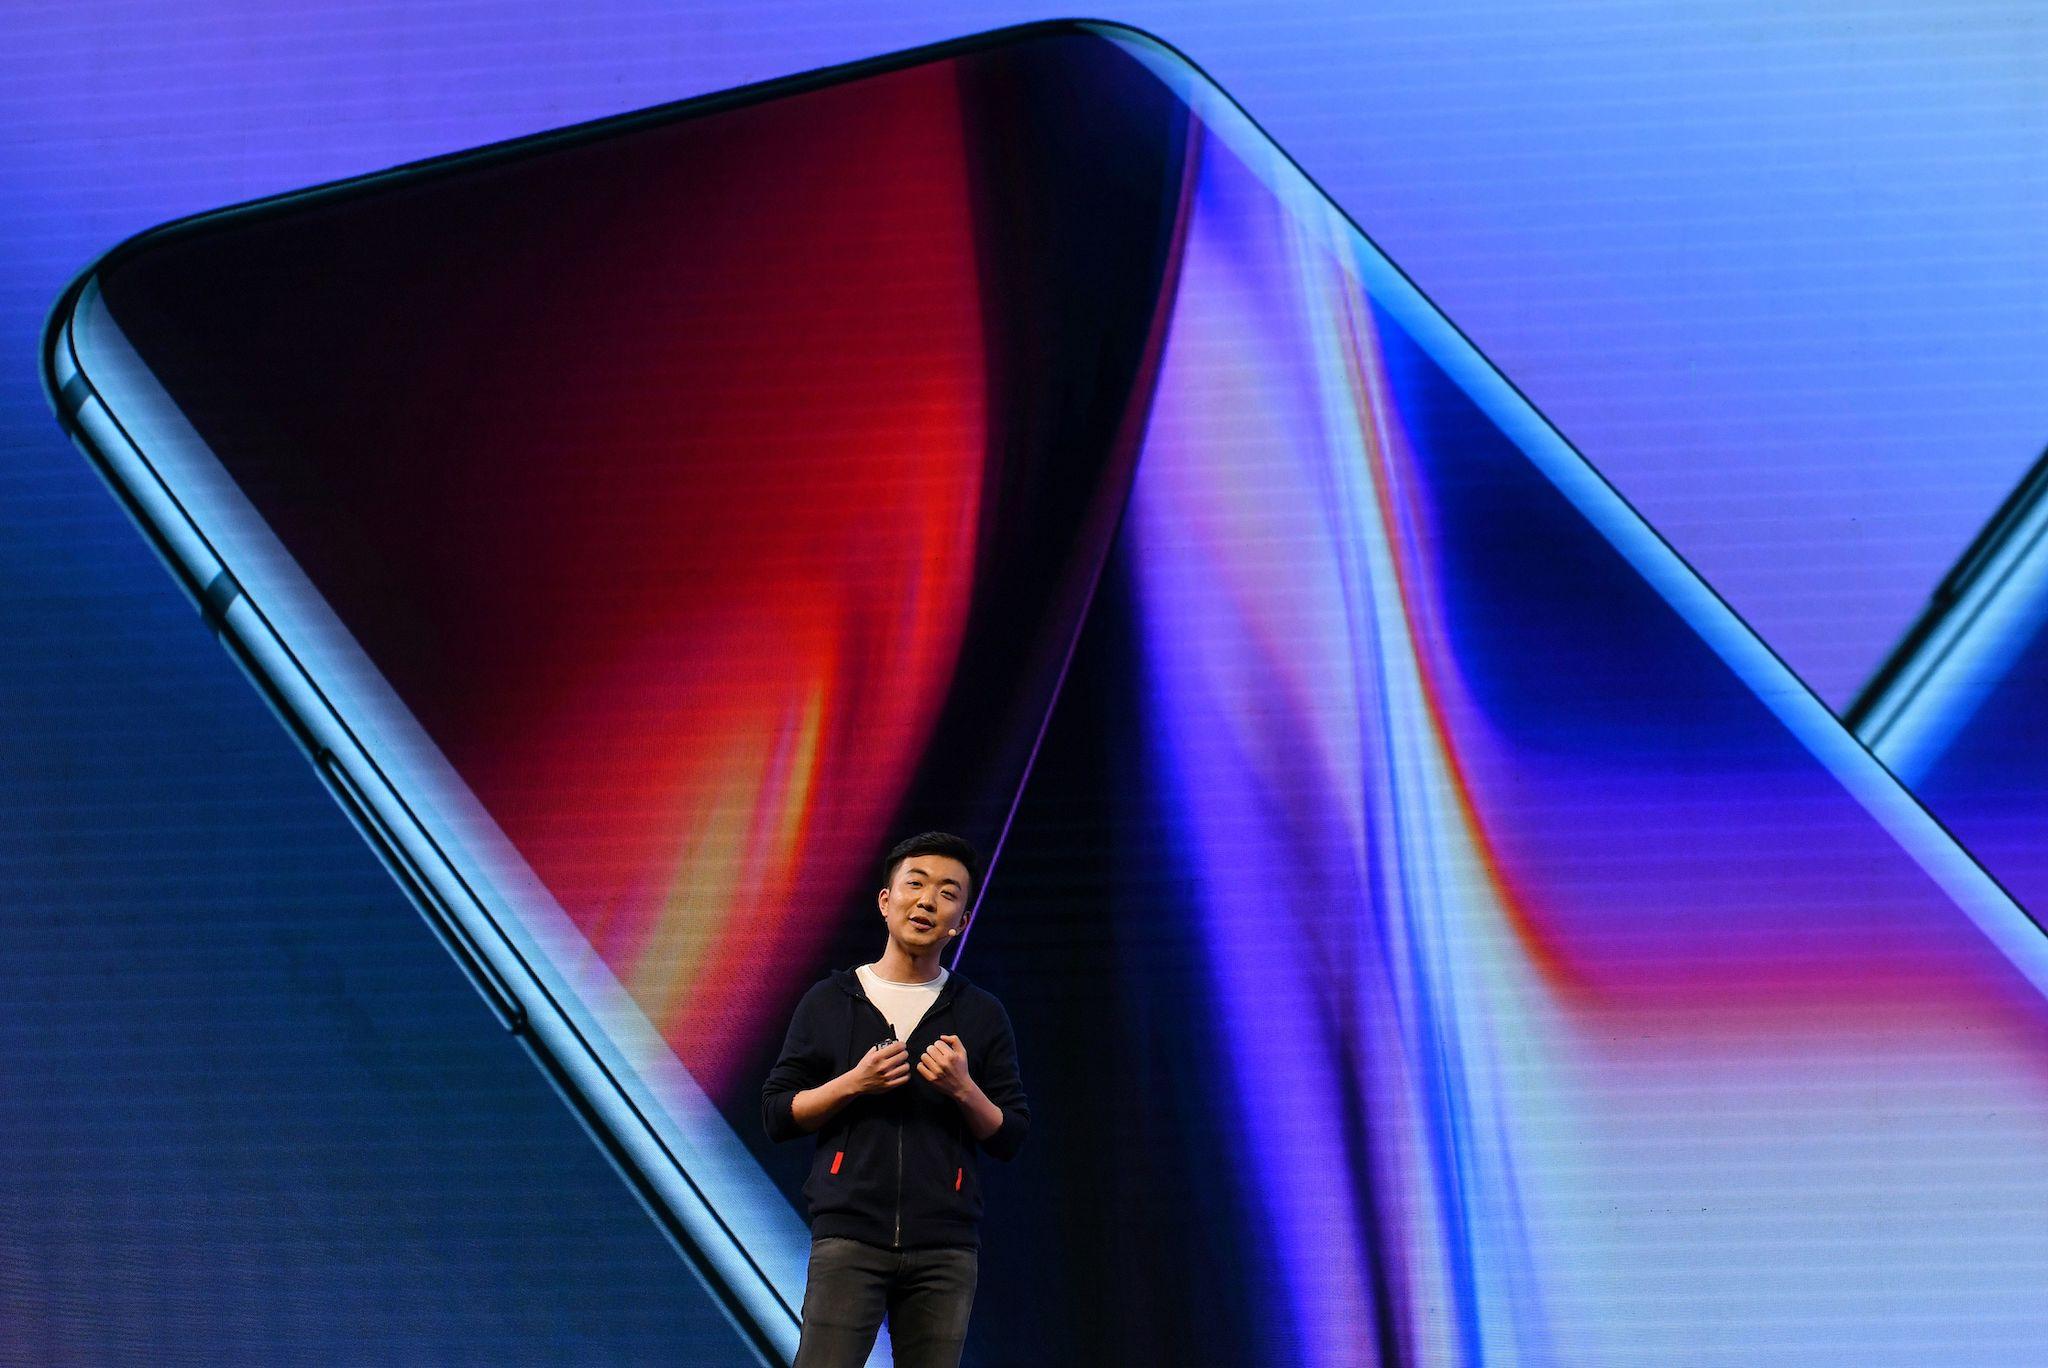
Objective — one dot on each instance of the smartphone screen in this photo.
(1435, 929)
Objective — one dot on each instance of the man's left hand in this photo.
(944, 1065)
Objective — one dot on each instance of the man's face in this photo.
(926, 902)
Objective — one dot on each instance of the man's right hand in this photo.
(884, 1067)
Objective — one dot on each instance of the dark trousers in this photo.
(926, 1294)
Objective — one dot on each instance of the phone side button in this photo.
(445, 926)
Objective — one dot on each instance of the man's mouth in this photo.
(925, 922)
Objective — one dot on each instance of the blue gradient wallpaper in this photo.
(1776, 271)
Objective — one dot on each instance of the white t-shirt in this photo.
(904, 1004)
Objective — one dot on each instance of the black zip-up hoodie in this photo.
(896, 1169)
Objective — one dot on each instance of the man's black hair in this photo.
(935, 843)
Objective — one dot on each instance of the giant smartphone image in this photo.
(1436, 929)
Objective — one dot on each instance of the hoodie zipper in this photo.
(896, 1242)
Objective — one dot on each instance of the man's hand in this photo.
(881, 1069)
(945, 1066)
(885, 1067)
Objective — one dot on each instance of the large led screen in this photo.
(1436, 930)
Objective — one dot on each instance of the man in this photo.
(893, 1191)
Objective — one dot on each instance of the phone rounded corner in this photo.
(1125, 34)
(64, 350)
(57, 363)
(1161, 56)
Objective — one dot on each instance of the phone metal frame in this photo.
(1965, 640)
